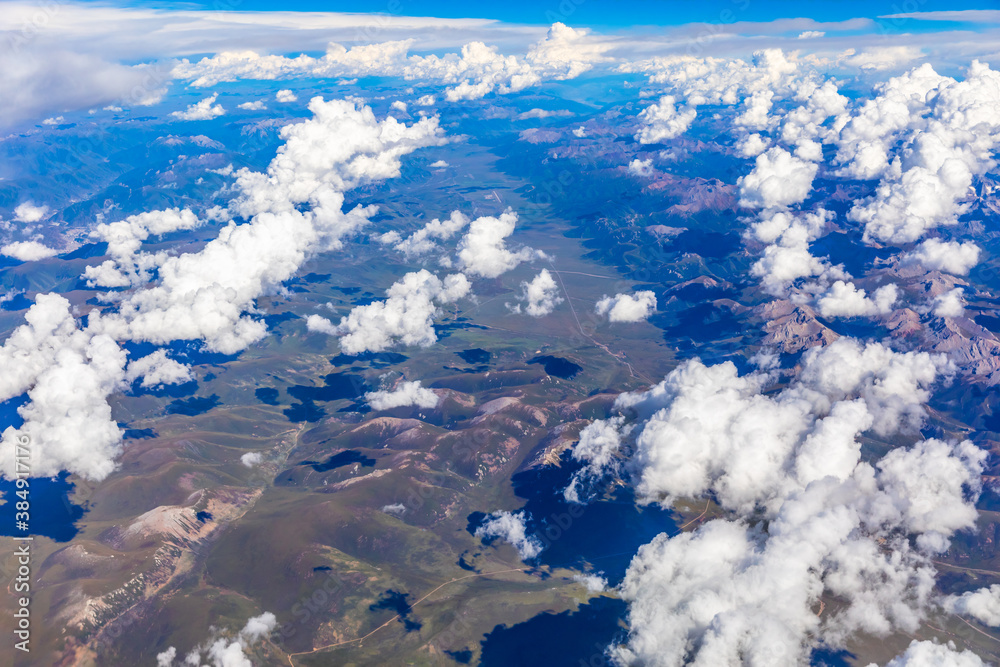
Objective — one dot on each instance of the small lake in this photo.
(569, 639)
(52, 513)
(557, 366)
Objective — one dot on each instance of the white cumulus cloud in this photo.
(930, 654)
(947, 256)
(844, 299)
(777, 179)
(28, 251)
(28, 212)
(206, 109)
(404, 394)
(664, 120)
(642, 168)
(157, 369)
(949, 304)
(511, 528)
(406, 317)
(224, 650)
(982, 604)
(483, 250)
(627, 307)
(540, 295)
(251, 459)
(424, 240)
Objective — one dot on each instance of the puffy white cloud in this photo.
(982, 604)
(722, 81)
(541, 295)
(756, 114)
(693, 602)
(901, 211)
(930, 654)
(787, 258)
(206, 109)
(777, 179)
(438, 164)
(68, 374)
(725, 596)
(663, 121)
(425, 100)
(320, 324)
(511, 528)
(258, 627)
(474, 73)
(677, 455)
(28, 212)
(949, 304)
(810, 34)
(28, 251)
(923, 490)
(784, 263)
(925, 136)
(341, 147)
(627, 307)
(166, 658)
(773, 227)
(157, 369)
(479, 69)
(127, 267)
(752, 145)
(843, 299)
(811, 517)
(592, 582)
(251, 459)
(404, 394)
(284, 95)
(566, 53)
(225, 650)
(256, 105)
(770, 77)
(866, 135)
(483, 250)
(422, 241)
(406, 317)
(643, 168)
(949, 256)
(598, 448)
(580, 132)
(397, 509)
(803, 125)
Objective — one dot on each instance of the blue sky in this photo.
(615, 13)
